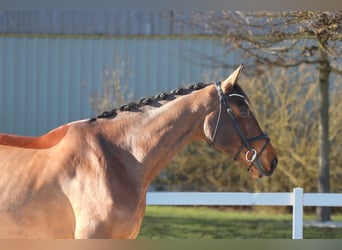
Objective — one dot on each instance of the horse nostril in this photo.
(274, 163)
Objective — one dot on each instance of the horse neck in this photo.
(155, 135)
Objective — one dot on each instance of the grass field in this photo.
(209, 223)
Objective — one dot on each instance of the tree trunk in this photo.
(323, 213)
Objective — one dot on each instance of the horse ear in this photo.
(228, 84)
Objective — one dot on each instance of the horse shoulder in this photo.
(102, 186)
(84, 181)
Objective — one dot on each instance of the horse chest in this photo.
(127, 227)
(127, 220)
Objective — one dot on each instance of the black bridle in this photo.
(252, 156)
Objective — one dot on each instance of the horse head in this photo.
(234, 129)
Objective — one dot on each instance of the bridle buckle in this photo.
(251, 155)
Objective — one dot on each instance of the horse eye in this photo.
(244, 111)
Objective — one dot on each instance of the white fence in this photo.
(297, 199)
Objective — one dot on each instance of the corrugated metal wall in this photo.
(45, 82)
(93, 22)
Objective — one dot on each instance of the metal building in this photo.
(51, 62)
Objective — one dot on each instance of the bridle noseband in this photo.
(251, 155)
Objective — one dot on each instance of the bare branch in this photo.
(336, 70)
(276, 38)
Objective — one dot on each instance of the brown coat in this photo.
(88, 179)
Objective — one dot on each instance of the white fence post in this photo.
(297, 215)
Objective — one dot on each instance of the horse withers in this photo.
(89, 178)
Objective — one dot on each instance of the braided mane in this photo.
(150, 100)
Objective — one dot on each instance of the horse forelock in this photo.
(150, 101)
(238, 90)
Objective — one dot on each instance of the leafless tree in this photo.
(284, 39)
(114, 90)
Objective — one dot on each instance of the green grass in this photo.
(210, 223)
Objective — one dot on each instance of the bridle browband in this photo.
(251, 156)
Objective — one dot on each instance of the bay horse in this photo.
(89, 178)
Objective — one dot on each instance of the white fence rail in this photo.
(297, 199)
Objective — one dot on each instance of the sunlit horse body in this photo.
(88, 179)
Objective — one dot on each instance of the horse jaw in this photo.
(255, 173)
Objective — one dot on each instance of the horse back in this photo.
(45, 141)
